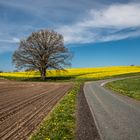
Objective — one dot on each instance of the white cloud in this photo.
(12, 40)
(16, 40)
(8, 45)
(121, 15)
(120, 36)
(105, 24)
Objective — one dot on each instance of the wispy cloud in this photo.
(9, 45)
(98, 24)
(105, 24)
(120, 15)
(12, 40)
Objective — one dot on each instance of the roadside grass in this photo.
(129, 87)
(61, 122)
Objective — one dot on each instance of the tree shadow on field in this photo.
(37, 77)
(49, 79)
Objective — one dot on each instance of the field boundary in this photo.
(61, 121)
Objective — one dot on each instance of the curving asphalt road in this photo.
(117, 117)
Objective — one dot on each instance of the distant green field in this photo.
(129, 87)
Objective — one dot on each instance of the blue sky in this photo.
(98, 32)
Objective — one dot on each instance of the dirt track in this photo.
(23, 106)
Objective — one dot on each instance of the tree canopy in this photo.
(42, 50)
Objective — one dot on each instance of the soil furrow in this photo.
(31, 123)
(8, 112)
(21, 115)
(27, 113)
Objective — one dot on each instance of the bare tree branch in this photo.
(42, 50)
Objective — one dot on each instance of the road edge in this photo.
(93, 115)
(86, 127)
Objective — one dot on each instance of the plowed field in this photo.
(23, 105)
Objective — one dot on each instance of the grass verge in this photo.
(61, 122)
(129, 87)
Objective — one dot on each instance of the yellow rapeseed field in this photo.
(100, 72)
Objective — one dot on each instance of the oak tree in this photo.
(41, 51)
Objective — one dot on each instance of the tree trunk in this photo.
(43, 73)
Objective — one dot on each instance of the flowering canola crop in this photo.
(79, 73)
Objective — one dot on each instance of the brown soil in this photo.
(23, 105)
(86, 128)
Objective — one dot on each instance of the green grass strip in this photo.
(61, 122)
(129, 87)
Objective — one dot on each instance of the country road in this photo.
(117, 117)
